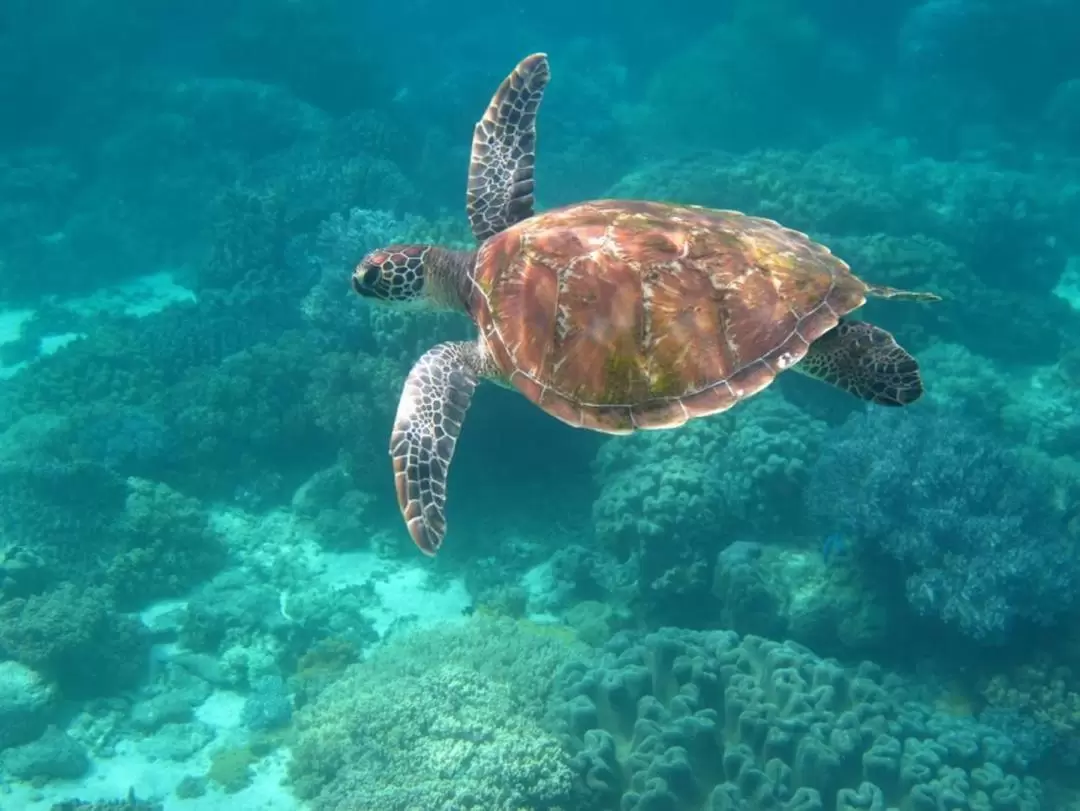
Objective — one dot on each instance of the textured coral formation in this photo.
(440, 718)
(679, 719)
(779, 592)
(1040, 699)
(75, 637)
(672, 500)
(26, 702)
(70, 513)
(130, 803)
(53, 756)
(255, 629)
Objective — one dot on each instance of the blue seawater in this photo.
(268, 267)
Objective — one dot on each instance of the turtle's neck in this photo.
(448, 279)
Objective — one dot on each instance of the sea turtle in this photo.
(613, 315)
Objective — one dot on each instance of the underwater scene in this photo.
(564, 406)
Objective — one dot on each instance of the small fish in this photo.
(833, 547)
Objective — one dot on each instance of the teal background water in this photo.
(207, 597)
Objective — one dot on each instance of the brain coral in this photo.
(680, 720)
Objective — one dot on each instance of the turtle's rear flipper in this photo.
(430, 413)
(866, 361)
(503, 159)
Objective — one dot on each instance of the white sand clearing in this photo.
(139, 297)
(405, 590)
(110, 779)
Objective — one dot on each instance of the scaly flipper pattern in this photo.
(501, 170)
(865, 361)
(430, 414)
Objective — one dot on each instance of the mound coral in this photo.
(169, 545)
(76, 637)
(672, 500)
(25, 704)
(67, 517)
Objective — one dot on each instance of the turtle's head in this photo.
(414, 277)
(393, 275)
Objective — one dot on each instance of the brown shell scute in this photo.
(623, 314)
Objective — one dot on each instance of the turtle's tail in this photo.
(882, 291)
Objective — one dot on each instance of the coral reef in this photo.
(679, 719)
(783, 593)
(757, 56)
(1039, 703)
(55, 755)
(62, 511)
(67, 517)
(257, 629)
(671, 500)
(130, 803)
(246, 154)
(76, 637)
(980, 544)
(268, 706)
(22, 571)
(26, 702)
(230, 768)
(412, 727)
(169, 545)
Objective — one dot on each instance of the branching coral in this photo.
(248, 246)
(971, 523)
(1040, 695)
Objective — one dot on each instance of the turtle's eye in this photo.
(364, 281)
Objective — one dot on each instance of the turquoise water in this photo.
(210, 596)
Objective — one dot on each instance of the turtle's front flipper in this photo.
(866, 361)
(433, 403)
(504, 151)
